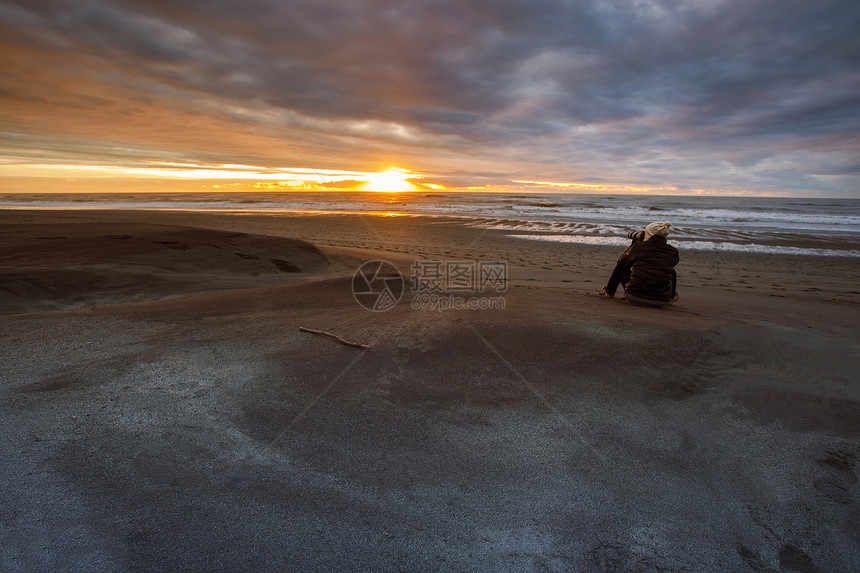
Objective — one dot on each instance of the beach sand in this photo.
(162, 410)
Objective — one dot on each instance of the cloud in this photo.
(702, 93)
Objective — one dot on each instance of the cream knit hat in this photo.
(657, 229)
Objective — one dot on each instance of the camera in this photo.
(636, 236)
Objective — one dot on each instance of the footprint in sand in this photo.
(285, 266)
(177, 245)
(792, 558)
(839, 478)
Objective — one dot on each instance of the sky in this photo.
(758, 97)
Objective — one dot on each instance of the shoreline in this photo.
(708, 223)
(165, 411)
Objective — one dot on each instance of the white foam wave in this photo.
(696, 245)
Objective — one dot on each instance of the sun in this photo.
(391, 181)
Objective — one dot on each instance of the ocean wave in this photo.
(769, 249)
(788, 218)
(697, 245)
(547, 205)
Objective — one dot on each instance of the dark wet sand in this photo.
(162, 411)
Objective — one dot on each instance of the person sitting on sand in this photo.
(647, 268)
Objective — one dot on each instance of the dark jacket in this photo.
(651, 265)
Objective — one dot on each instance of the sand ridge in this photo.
(84, 264)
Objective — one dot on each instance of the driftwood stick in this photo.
(335, 336)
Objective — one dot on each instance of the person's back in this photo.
(652, 268)
(647, 268)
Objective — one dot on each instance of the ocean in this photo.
(818, 227)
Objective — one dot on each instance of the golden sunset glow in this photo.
(154, 175)
(391, 181)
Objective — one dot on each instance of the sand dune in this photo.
(84, 264)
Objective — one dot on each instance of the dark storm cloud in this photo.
(706, 92)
